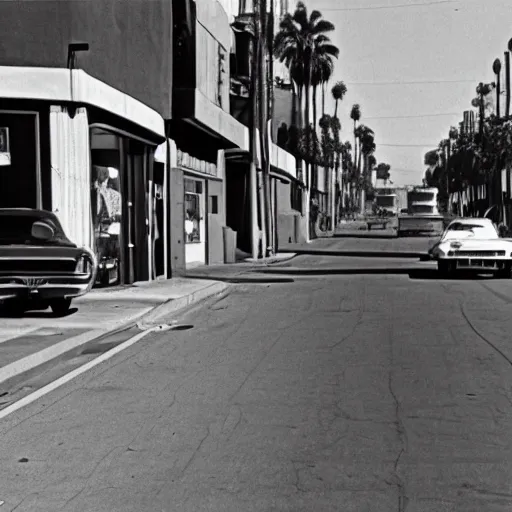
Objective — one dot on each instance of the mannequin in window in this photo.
(189, 226)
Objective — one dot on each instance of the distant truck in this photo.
(422, 215)
(386, 201)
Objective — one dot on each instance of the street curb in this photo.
(150, 315)
(245, 279)
(173, 305)
(347, 271)
(361, 254)
(272, 260)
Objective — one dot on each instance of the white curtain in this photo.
(71, 170)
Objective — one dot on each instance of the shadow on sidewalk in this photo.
(360, 254)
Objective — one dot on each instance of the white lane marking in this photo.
(10, 333)
(31, 361)
(78, 371)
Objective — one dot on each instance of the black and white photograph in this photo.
(255, 256)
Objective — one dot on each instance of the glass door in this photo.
(195, 226)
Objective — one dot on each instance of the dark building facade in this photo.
(84, 128)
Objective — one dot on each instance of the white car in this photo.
(473, 244)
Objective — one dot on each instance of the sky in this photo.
(413, 66)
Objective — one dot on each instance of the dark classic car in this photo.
(39, 265)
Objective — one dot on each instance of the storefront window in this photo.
(193, 211)
(192, 218)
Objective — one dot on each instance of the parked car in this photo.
(473, 244)
(39, 266)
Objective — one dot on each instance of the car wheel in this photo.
(445, 268)
(60, 306)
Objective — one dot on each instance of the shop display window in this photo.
(192, 218)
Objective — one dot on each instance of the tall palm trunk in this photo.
(353, 190)
(323, 97)
(314, 173)
(336, 109)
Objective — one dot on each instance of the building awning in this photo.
(55, 85)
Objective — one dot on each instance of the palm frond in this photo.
(322, 26)
(300, 16)
(314, 17)
(328, 49)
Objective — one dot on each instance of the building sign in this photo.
(5, 148)
(187, 161)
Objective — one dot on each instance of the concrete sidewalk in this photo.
(39, 337)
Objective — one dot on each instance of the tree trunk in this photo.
(314, 165)
(336, 108)
(314, 106)
(323, 98)
(294, 104)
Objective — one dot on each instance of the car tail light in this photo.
(84, 265)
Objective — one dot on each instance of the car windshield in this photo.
(480, 231)
(16, 229)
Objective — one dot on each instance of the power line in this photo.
(415, 82)
(414, 116)
(410, 145)
(381, 7)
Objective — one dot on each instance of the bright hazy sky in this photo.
(448, 46)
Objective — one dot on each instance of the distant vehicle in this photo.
(473, 244)
(386, 201)
(422, 216)
(39, 266)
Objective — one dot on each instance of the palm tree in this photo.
(355, 115)
(338, 91)
(299, 42)
(323, 66)
(367, 148)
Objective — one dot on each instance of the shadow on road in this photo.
(365, 234)
(7, 312)
(433, 274)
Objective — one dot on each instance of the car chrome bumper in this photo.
(45, 287)
(478, 263)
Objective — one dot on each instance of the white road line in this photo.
(45, 355)
(78, 371)
(10, 333)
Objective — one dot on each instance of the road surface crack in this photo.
(403, 499)
(481, 336)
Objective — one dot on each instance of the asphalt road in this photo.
(346, 394)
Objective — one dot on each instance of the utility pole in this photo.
(496, 67)
(261, 36)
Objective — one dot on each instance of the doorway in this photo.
(20, 166)
(195, 210)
